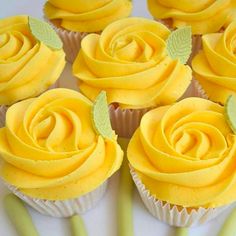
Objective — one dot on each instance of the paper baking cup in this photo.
(198, 91)
(64, 208)
(172, 214)
(126, 121)
(196, 47)
(71, 42)
(3, 108)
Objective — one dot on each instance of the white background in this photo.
(100, 221)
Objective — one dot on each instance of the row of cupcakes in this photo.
(140, 64)
(49, 143)
(76, 19)
(58, 152)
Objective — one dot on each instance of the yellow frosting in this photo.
(51, 150)
(86, 16)
(27, 67)
(129, 61)
(205, 16)
(215, 65)
(185, 154)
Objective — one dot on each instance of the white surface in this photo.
(100, 221)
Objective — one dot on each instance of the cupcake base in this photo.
(198, 91)
(71, 42)
(125, 121)
(64, 208)
(172, 214)
(3, 110)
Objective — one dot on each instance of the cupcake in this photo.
(57, 153)
(203, 16)
(74, 19)
(182, 161)
(139, 64)
(31, 60)
(215, 66)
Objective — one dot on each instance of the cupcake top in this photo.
(52, 147)
(204, 16)
(86, 16)
(134, 63)
(185, 154)
(215, 65)
(31, 58)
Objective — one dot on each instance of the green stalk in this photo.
(19, 216)
(77, 226)
(125, 196)
(229, 226)
(181, 231)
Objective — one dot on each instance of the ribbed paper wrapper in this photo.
(126, 121)
(3, 108)
(198, 91)
(63, 208)
(71, 42)
(172, 214)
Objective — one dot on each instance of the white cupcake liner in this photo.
(126, 121)
(196, 47)
(3, 108)
(198, 91)
(63, 208)
(170, 214)
(71, 42)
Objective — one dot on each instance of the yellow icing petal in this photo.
(206, 16)
(83, 17)
(49, 143)
(184, 154)
(27, 67)
(129, 61)
(78, 5)
(215, 65)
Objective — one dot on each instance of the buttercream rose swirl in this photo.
(185, 154)
(27, 67)
(205, 16)
(51, 150)
(215, 65)
(86, 16)
(129, 61)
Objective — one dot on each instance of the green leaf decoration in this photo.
(43, 32)
(179, 44)
(100, 116)
(230, 112)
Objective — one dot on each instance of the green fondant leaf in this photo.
(230, 111)
(43, 32)
(100, 116)
(179, 44)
